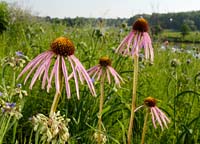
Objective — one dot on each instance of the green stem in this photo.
(57, 95)
(101, 106)
(55, 103)
(4, 129)
(3, 78)
(176, 92)
(135, 80)
(37, 136)
(144, 127)
(14, 132)
(56, 99)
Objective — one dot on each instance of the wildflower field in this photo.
(93, 85)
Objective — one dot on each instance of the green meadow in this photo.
(173, 80)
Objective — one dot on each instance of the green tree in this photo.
(191, 24)
(185, 29)
(156, 29)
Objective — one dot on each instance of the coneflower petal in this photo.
(85, 75)
(75, 76)
(45, 77)
(65, 73)
(51, 76)
(80, 74)
(40, 70)
(95, 71)
(33, 62)
(45, 61)
(92, 69)
(153, 118)
(99, 74)
(108, 76)
(127, 50)
(37, 73)
(124, 43)
(57, 73)
(163, 116)
(36, 63)
(157, 117)
(116, 76)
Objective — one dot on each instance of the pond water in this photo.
(189, 48)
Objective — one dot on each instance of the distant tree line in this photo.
(172, 21)
(82, 21)
(182, 21)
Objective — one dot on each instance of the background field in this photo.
(173, 79)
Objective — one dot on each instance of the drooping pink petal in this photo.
(116, 76)
(45, 61)
(137, 44)
(99, 74)
(92, 69)
(125, 42)
(136, 40)
(85, 74)
(40, 70)
(153, 118)
(40, 60)
(117, 81)
(157, 117)
(33, 68)
(65, 73)
(95, 71)
(149, 46)
(57, 71)
(146, 47)
(45, 77)
(75, 76)
(163, 117)
(80, 74)
(130, 41)
(53, 72)
(33, 62)
(108, 75)
(122, 44)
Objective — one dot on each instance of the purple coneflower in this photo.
(138, 38)
(105, 64)
(62, 49)
(100, 71)
(156, 113)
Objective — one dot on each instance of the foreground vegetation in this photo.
(173, 79)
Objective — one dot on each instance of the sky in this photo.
(104, 8)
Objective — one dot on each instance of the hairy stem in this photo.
(101, 106)
(144, 127)
(55, 103)
(135, 80)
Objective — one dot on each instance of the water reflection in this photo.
(192, 49)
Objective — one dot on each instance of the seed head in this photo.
(63, 46)
(150, 102)
(105, 61)
(141, 25)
